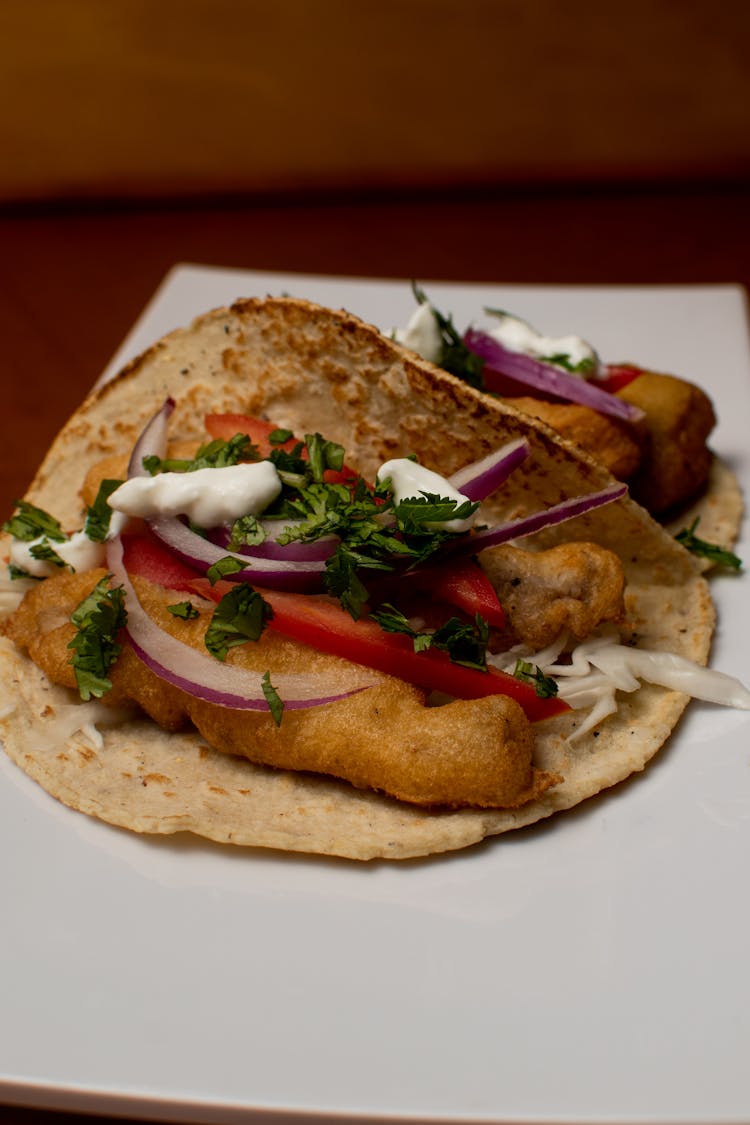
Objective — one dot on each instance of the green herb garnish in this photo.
(711, 551)
(45, 552)
(186, 611)
(273, 699)
(99, 515)
(247, 531)
(223, 567)
(545, 686)
(217, 454)
(240, 616)
(465, 642)
(98, 620)
(30, 522)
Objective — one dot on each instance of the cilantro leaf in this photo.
(216, 454)
(416, 514)
(273, 699)
(30, 523)
(45, 552)
(545, 686)
(186, 611)
(247, 531)
(706, 550)
(223, 567)
(278, 437)
(99, 515)
(323, 455)
(240, 616)
(98, 620)
(465, 642)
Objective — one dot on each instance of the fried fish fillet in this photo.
(475, 753)
(574, 586)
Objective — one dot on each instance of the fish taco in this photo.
(287, 585)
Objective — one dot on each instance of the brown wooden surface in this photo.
(73, 282)
(139, 98)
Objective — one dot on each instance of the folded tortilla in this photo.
(305, 367)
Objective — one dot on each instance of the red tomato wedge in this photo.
(618, 376)
(327, 627)
(462, 584)
(227, 425)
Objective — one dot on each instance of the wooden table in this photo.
(73, 281)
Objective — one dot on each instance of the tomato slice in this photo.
(324, 625)
(145, 557)
(227, 425)
(462, 584)
(329, 628)
(618, 376)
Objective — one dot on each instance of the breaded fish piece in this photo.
(573, 586)
(466, 753)
(614, 443)
(679, 419)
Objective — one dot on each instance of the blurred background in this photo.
(555, 141)
(139, 99)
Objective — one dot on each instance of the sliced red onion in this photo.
(483, 477)
(538, 521)
(546, 378)
(296, 551)
(200, 553)
(152, 441)
(205, 677)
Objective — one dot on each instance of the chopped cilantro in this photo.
(706, 550)
(217, 454)
(45, 552)
(225, 566)
(278, 437)
(30, 522)
(16, 572)
(98, 619)
(246, 532)
(323, 455)
(240, 616)
(273, 699)
(186, 611)
(532, 674)
(99, 514)
(465, 642)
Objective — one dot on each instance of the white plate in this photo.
(592, 967)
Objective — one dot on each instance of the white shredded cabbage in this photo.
(600, 666)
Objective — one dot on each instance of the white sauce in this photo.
(422, 334)
(208, 497)
(518, 336)
(78, 552)
(410, 480)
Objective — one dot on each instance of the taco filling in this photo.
(453, 627)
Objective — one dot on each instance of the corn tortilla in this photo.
(305, 367)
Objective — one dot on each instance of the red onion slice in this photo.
(226, 685)
(201, 554)
(480, 479)
(152, 441)
(528, 525)
(295, 551)
(546, 378)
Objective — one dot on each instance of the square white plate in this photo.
(594, 967)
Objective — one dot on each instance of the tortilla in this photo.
(303, 366)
